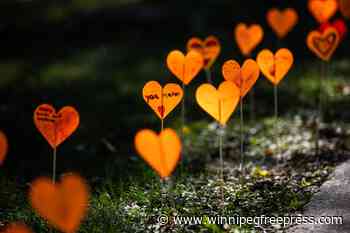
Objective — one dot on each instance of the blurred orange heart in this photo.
(184, 67)
(282, 22)
(56, 127)
(248, 38)
(344, 6)
(17, 228)
(209, 48)
(219, 103)
(63, 205)
(3, 147)
(323, 10)
(244, 77)
(161, 152)
(162, 100)
(275, 66)
(323, 44)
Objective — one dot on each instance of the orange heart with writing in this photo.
(275, 66)
(17, 228)
(56, 127)
(184, 67)
(219, 103)
(161, 152)
(244, 77)
(64, 204)
(323, 10)
(248, 38)
(3, 147)
(344, 6)
(162, 100)
(282, 22)
(209, 48)
(323, 44)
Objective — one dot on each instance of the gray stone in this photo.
(333, 199)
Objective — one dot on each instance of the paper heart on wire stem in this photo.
(248, 38)
(243, 77)
(63, 204)
(219, 103)
(209, 48)
(17, 228)
(185, 68)
(3, 147)
(323, 10)
(56, 126)
(282, 22)
(323, 44)
(338, 24)
(162, 100)
(275, 66)
(161, 152)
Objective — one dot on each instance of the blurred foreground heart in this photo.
(184, 67)
(3, 147)
(209, 48)
(282, 22)
(275, 66)
(248, 38)
(244, 77)
(56, 127)
(344, 6)
(161, 152)
(17, 228)
(323, 44)
(323, 10)
(162, 100)
(219, 103)
(63, 205)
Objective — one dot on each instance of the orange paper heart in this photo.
(184, 67)
(248, 38)
(63, 205)
(244, 77)
(161, 152)
(17, 228)
(209, 48)
(282, 22)
(219, 103)
(275, 66)
(3, 147)
(162, 100)
(344, 6)
(323, 10)
(56, 127)
(323, 44)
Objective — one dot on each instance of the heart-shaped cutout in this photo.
(209, 48)
(323, 10)
(244, 77)
(17, 228)
(323, 44)
(219, 103)
(3, 147)
(63, 204)
(161, 152)
(338, 24)
(162, 100)
(344, 6)
(282, 22)
(184, 67)
(56, 127)
(248, 38)
(275, 66)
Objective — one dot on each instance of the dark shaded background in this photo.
(130, 41)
